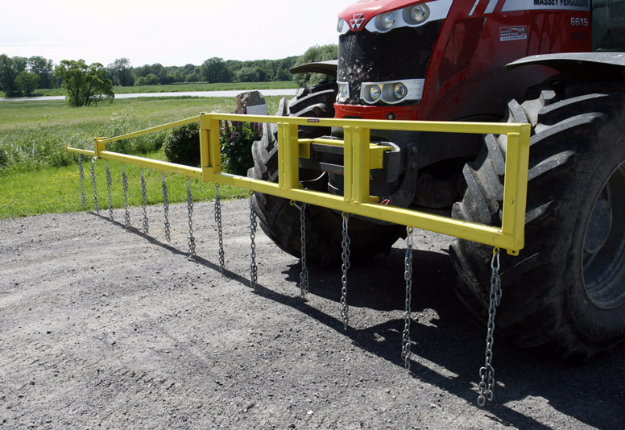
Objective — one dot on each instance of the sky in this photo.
(173, 33)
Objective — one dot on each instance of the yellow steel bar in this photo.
(515, 187)
(288, 152)
(358, 154)
(429, 126)
(348, 165)
(192, 172)
(205, 158)
(360, 165)
(152, 129)
(436, 223)
(80, 151)
(376, 152)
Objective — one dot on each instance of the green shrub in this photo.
(236, 145)
(182, 145)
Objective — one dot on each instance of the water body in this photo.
(231, 93)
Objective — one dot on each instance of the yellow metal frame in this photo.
(360, 157)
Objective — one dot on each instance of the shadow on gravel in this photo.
(448, 347)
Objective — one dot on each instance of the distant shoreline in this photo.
(227, 93)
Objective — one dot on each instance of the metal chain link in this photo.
(166, 209)
(405, 348)
(253, 226)
(125, 185)
(190, 211)
(345, 267)
(95, 191)
(81, 173)
(303, 276)
(222, 264)
(109, 182)
(487, 373)
(144, 200)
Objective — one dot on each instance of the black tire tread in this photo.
(530, 313)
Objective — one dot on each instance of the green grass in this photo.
(58, 190)
(38, 176)
(181, 87)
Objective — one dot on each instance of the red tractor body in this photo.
(457, 55)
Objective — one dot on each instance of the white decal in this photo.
(357, 21)
(474, 6)
(512, 33)
(491, 6)
(516, 5)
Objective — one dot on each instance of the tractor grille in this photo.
(373, 57)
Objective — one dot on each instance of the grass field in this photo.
(38, 176)
(181, 87)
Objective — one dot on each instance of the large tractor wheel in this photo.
(566, 290)
(281, 221)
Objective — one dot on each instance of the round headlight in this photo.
(387, 20)
(374, 92)
(420, 13)
(400, 91)
(342, 27)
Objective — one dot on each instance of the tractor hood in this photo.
(359, 14)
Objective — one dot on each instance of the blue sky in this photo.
(173, 33)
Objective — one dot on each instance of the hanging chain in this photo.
(125, 185)
(109, 182)
(95, 191)
(345, 267)
(166, 209)
(487, 373)
(190, 210)
(144, 197)
(81, 172)
(405, 349)
(253, 225)
(303, 276)
(222, 264)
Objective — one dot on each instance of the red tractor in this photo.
(550, 63)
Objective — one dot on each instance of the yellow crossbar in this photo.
(360, 157)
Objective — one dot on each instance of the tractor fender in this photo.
(579, 64)
(324, 67)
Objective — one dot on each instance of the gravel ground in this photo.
(106, 327)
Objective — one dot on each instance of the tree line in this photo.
(21, 76)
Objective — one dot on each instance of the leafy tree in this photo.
(248, 74)
(8, 73)
(27, 82)
(120, 72)
(85, 84)
(215, 70)
(20, 63)
(151, 79)
(314, 54)
(44, 69)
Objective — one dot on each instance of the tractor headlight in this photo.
(391, 92)
(374, 93)
(385, 21)
(343, 93)
(342, 27)
(411, 16)
(416, 14)
(400, 91)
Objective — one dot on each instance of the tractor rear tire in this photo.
(281, 221)
(566, 290)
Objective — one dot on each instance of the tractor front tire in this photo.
(281, 221)
(566, 289)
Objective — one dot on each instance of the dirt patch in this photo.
(104, 327)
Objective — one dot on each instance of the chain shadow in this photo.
(455, 343)
(380, 285)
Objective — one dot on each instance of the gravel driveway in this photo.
(106, 327)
